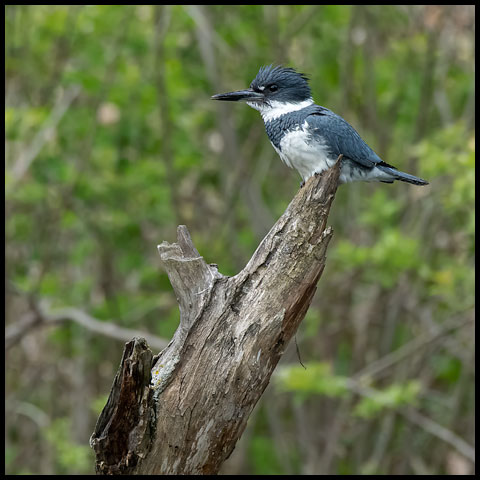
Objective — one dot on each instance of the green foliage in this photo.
(263, 456)
(69, 456)
(392, 254)
(317, 378)
(447, 369)
(394, 396)
(451, 151)
(10, 454)
(98, 404)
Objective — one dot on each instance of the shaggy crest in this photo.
(289, 82)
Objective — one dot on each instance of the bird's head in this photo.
(272, 86)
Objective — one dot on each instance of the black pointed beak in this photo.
(248, 95)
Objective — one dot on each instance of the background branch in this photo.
(42, 317)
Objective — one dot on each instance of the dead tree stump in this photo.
(182, 411)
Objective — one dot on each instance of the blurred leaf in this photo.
(393, 396)
(317, 378)
(71, 457)
(263, 456)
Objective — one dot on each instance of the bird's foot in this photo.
(318, 174)
(302, 183)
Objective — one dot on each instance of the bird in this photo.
(309, 137)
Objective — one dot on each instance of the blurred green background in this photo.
(111, 141)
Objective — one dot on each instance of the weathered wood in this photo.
(232, 333)
(123, 431)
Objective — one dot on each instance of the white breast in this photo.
(305, 153)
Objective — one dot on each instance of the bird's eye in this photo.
(273, 87)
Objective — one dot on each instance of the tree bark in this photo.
(182, 411)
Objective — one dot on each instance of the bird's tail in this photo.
(404, 177)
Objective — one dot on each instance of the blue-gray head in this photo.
(272, 85)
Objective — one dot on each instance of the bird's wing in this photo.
(341, 137)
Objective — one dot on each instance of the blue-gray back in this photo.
(332, 129)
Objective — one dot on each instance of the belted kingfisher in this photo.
(309, 137)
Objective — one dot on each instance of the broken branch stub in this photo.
(232, 333)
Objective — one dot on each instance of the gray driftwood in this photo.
(182, 411)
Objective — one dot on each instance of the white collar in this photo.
(275, 109)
